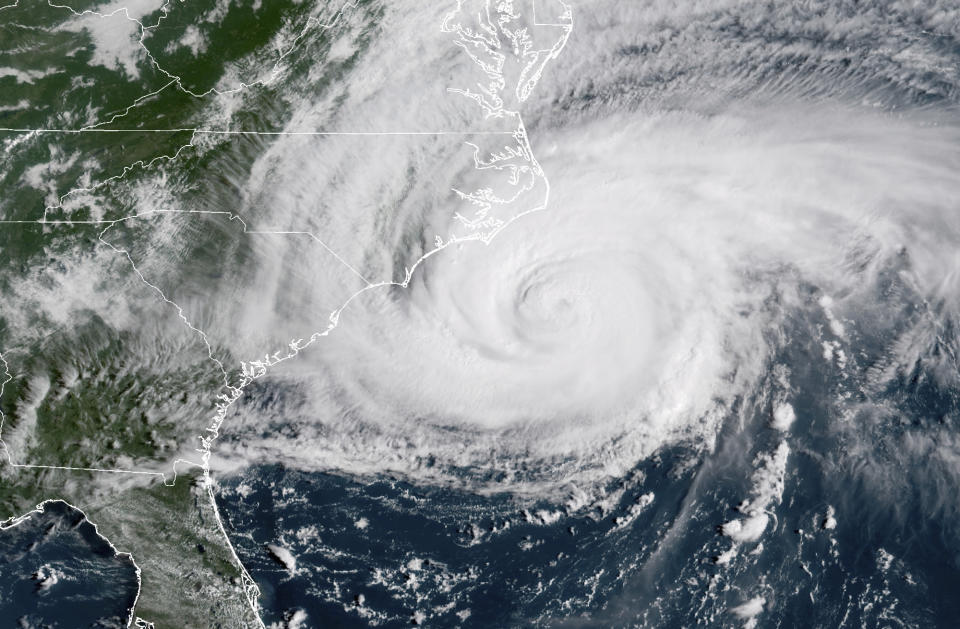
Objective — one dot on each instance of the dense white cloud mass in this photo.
(634, 308)
(681, 226)
(685, 271)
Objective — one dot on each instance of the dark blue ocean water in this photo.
(870, 450)
(385, 552)
(57, 572)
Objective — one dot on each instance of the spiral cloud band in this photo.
(635, 308)
(490, 312)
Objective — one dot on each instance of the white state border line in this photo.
(164, 11)
(110, 223)
(258, 368)
(229, 215)
(3, 444)
(250, 588)
(26, 132)
(230, 132)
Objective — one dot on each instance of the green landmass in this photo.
(123, 383)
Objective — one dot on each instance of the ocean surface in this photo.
(617, 315)
(848, 542)
(56, 571)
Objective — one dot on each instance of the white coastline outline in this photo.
(10, 523)
(200, 131)
(253, 370)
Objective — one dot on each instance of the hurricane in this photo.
(488, 314)
(641, 300)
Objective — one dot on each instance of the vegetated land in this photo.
(101, 372)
